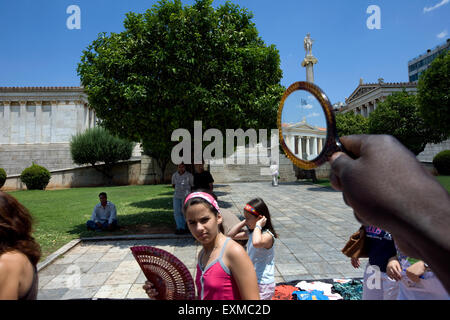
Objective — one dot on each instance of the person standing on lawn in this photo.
(183, 182)
(104, 215)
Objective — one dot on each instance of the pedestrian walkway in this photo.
(313, 224)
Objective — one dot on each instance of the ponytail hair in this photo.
(261, 208)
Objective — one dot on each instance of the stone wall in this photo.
(15, 158)
(125, 173)
(431, 150)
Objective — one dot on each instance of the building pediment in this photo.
(361, 90)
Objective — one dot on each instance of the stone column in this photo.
(86, 117)
(320, 146)
(7, 122)
(300, 148)
(315, 145)
(38, 128)
(22, 122)
(53, 121)
(307, 147)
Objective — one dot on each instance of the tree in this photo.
(434, 95)
(350, 123)
(97, 145)
(399, 116)
(175, 64)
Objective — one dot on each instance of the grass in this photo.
(324, 182)
(61, 215)
(445, 181)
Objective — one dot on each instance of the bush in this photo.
(441, 162)
(97, 145)
(2, 177)
(35, 177)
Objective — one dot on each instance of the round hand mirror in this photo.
(307, 126)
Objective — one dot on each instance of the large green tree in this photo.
(175, 64)
(399, 116)
(434, 95)
(350, 123)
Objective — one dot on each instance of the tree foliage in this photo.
(350, 123)
(399, 116)
(434, 95)
(175, 64)
(97, 145)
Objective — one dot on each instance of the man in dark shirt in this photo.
(202, 178)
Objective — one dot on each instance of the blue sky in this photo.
(37, 49)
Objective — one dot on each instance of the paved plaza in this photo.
(313, 224)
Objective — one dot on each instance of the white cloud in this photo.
(306, 106)
(425, 10)
(443, 34)
(312, 115)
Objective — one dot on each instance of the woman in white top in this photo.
(261, 237)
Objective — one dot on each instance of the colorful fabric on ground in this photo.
(284, 292)
(309, 295)
(351, 290)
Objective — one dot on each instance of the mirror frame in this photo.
(332, 142)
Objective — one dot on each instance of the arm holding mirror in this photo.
(380, 179)
(387, 187)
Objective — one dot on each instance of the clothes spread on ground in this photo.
(380, 246)
(350, 290)
(321, 287)
(327, 289)
(309, 295)
(283, 292)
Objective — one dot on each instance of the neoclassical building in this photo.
(303, 139)
(37, 123)
(367, 96)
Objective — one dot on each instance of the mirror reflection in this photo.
(303, 125)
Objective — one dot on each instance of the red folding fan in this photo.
(170, 277)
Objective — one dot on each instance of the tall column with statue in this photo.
(308, 62)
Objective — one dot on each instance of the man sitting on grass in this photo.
(104, 216)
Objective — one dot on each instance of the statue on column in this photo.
(307, 43)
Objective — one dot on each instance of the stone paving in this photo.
(313, 224)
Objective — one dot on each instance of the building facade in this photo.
(366, 97)
(304, 140)
(37, 123)
(421, 63)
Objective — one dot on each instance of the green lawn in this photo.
(445, 181)
(61, 215)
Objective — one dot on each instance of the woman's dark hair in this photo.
(193, 201)
(16, 228)
(261, 207)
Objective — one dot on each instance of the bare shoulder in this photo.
(12, 262)
(235, 250)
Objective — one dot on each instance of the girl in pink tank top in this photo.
(224, 269)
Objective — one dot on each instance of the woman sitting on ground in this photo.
(19, 252)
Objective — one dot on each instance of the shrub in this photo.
(441, 162)
(2, 177)
(35, 177)
(97, 145)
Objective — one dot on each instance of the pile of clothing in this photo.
(335, 289)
